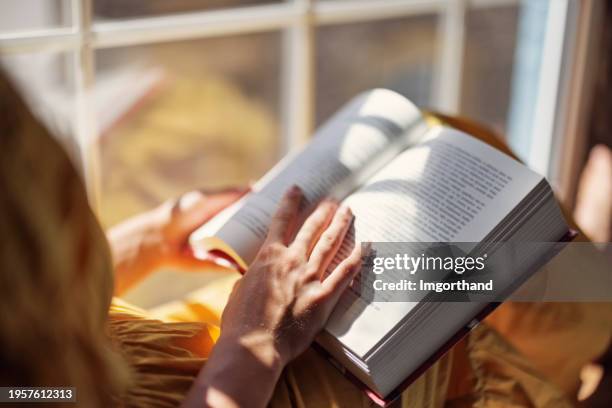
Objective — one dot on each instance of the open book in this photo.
(406, 180)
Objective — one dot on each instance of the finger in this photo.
(341, 276)
(285, 215)
(330, 241)
(314, 226)
(193, 209)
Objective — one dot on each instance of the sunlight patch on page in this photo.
(358, 143)
(388, 104)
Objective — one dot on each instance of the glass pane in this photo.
(491, 36)
(45, 80)
(115, 9)
(21, 15)
(398, 54)
(185, 115)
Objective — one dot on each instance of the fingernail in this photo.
(345, 211)
(332, 203)
(190, 199)
(332, 199)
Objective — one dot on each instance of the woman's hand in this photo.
(158, 237)
(285, 296)
(280, 304)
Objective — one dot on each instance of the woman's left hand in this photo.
(158, 237)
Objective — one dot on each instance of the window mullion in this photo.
(448, 78)
(297, 99)
(47, 40)
(543, 127)
(85, 118)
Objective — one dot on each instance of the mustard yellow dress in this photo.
(483, 370)
(59, 324)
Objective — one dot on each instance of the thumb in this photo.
(195, 208)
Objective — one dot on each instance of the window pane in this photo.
(491, 36)
(113, 9)
(20, 15)
(398, 54)
(185, 115)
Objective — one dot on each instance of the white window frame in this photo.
(295, 18)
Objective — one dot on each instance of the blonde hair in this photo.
(55, 268)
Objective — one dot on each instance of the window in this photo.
(163, 97)
(207, 116)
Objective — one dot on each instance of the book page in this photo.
(352, 145)
(450, 188)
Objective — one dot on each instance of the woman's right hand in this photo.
(280, 305)
(284, 297)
